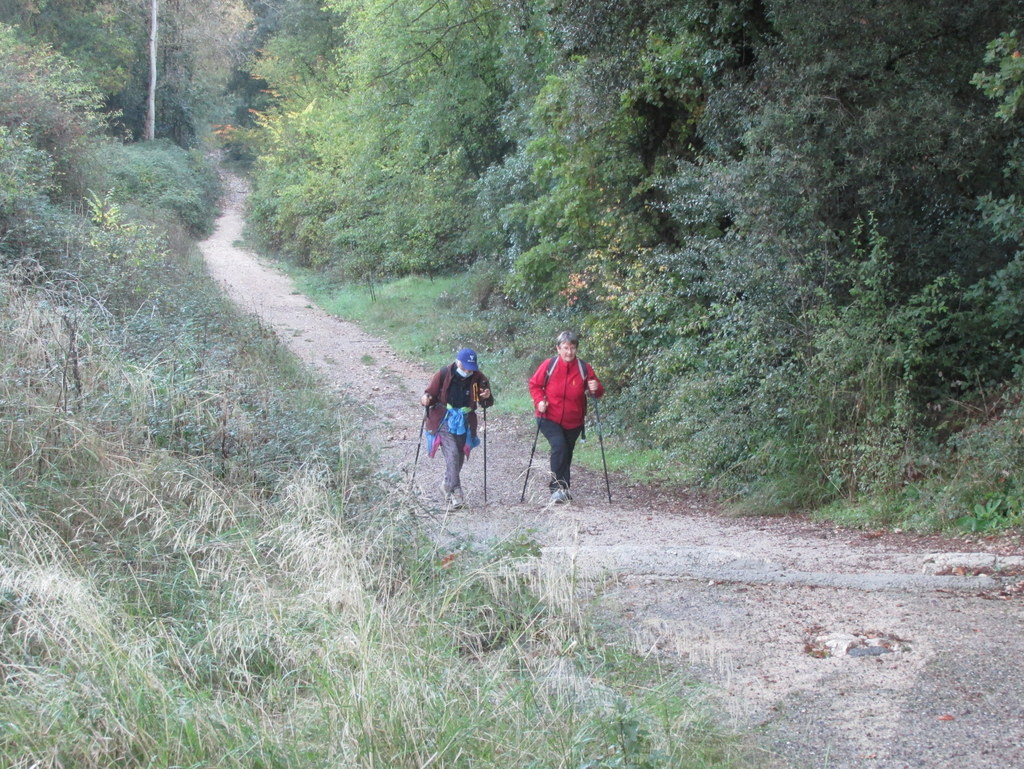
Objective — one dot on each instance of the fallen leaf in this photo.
(947, 717)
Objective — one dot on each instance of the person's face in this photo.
(567, 351)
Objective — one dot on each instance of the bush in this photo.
(45, 97)
(30, 224)
(155, 178)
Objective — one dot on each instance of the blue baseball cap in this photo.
(467, 359)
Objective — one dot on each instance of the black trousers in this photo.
(562, 442)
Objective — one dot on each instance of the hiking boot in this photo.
(456, 500)
(560, 496)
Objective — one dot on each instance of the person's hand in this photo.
(592, 384)
(542, 406)
(425, 400)
(485, 394)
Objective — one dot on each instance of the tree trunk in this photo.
(150, 128)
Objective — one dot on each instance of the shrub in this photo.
(157, 177)
(45, 97)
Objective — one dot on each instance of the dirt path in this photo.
(842, 649)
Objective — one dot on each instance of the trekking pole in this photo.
(476, 400)
(485, 457)
(419, 442)
(600, 440)
(527, 478)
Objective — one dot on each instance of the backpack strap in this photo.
(445, 373)
(551, 368)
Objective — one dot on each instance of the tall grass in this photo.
(197, 569)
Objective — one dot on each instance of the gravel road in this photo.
(835, 648)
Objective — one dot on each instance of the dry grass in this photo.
(157, 611)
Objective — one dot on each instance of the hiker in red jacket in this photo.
(559, 388)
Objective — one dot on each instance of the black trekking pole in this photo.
(485, 457)
(527, 478)
(476, 402)
(419, 442)
(600, 440)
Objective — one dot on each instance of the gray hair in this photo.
(567, 336)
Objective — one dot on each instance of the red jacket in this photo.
(565, 391)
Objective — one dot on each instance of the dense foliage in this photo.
(791, 230)
(199, 42)
(74, 201)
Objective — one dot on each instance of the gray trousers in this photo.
(451, 450)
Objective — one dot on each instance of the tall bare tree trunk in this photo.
(150, 128)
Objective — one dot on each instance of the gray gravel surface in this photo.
(835, 648)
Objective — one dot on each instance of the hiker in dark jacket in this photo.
(559, 389)
(451, 399)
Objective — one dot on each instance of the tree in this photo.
(1005, 81)
(392, 128)
(112, 43)
(150, 127)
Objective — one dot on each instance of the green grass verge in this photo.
(428, 320)
(405, 312)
